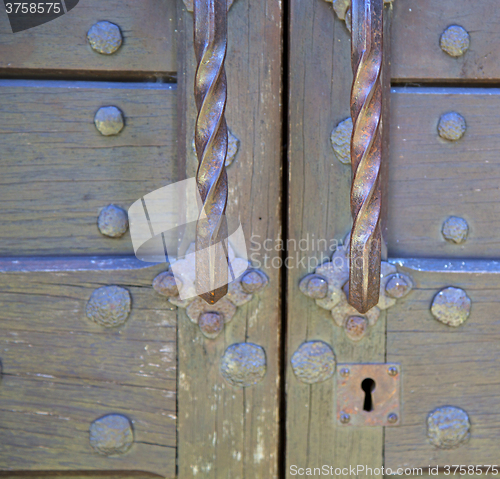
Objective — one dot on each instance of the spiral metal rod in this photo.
(210, 91)
(366, 145)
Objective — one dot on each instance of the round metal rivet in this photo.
(451, 126)
(356, 327)
(243, 364)
(111, 434)
(317, 288)
(451, 306)
(392, 371)
(345, 418)
(455, 230)
(112, 221)
(253, 281)
(211, 324)
(344, 372)
(398, 286)
(109, 306)
(167, 285)
(448, 427)
(109, 120)
(392, 418)
(341, 141)
(105, 38)
(455, 41)
(313, 362)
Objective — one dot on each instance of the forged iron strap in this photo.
(210, 91)
(366, 144)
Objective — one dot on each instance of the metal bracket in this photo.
(369, 394)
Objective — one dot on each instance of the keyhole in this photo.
(368, 386)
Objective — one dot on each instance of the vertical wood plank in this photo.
(319, 92)
(224, 431)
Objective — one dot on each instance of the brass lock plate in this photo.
(369, 394)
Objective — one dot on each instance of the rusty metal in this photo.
(386, 395)
(451, 306)
(243, 364)
(455, 41)
(366, 147)
(211, 141)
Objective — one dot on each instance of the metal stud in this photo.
(105, 38)
(448, 427)
(313, 362)
(451, 126)
(109, 306)
(451, 306)
(211, 324)
(341, 141)
(455, 41)
(455, 230)
(109, 120)
(243, 364)
(111, 434)
(112, 221)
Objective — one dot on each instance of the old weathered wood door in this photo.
(104, 376)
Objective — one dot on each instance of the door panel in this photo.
(446, 366)
(415, 40)
(431, 178)
(60, 47)
(65, 368)
(59, 171)
(227, 431)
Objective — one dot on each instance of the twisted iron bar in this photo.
(366, 145)
(210, 91)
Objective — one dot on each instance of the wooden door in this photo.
(439, 331)
(101, 374)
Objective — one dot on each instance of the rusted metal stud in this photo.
(313, 362)
(211, 324)
(398, 286)
(343, 10)
(109, 120)
(109, 306)
(392, 371)
(454, 41)
(451, 306)
(392, 418)
(105, 38)
(366, 151)
(111, 434)
(448, 427)
(341, 141)
(345, 418)
(253, 281)
(451, 126)
(243, 364)
(112, 221)
(314, 285)
(455, 230)
(167, 285)
(356, 327)
(224, 307)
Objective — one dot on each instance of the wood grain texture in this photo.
(58, 171)
(62, 371)
(225, 431)
(418, 25)
(318, 197)
(431, 179)
(444, 366)
(60, 47)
